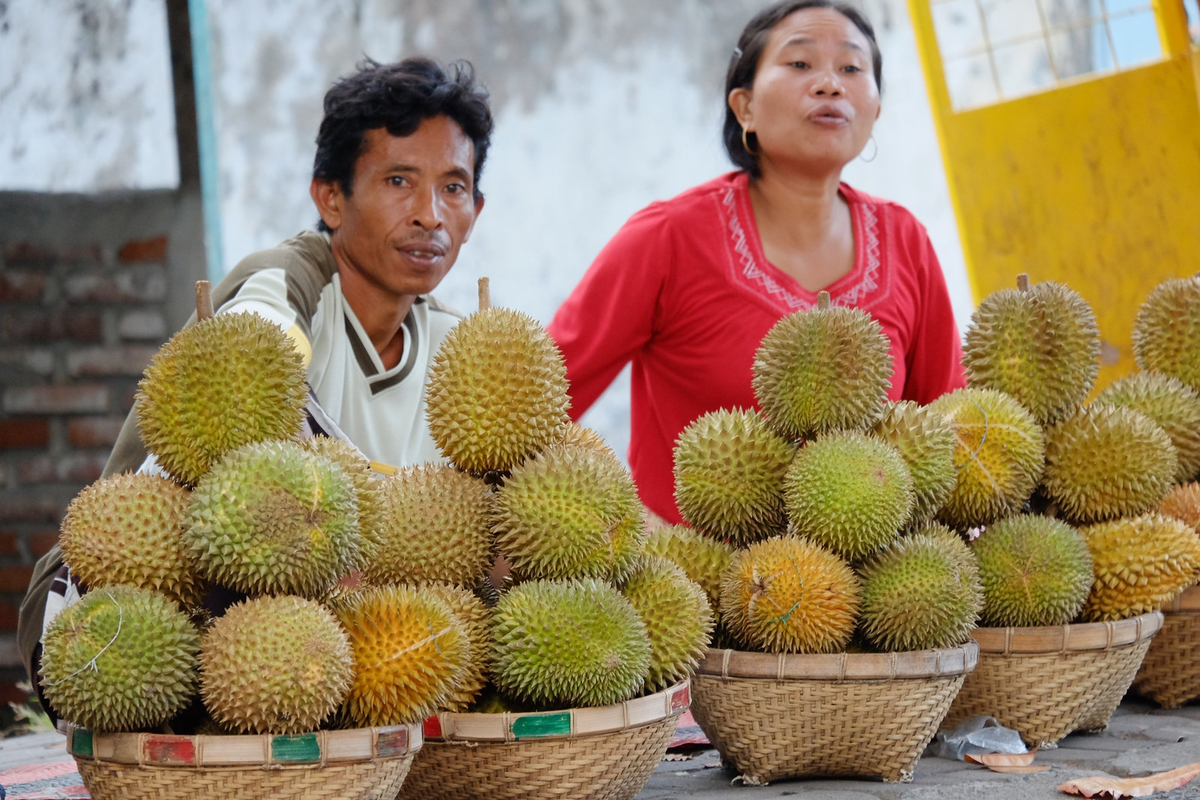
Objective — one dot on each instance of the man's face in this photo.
(411, 208)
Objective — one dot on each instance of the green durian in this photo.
(476, 621)
(1166, 335)
(1170, 404)
(677, 616)
(366, 482)
(703, 558)
(925, 441)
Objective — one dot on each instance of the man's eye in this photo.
(456, 188)
(397, 180)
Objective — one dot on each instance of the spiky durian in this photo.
(703, 558)
(476, 621)
(789, 595)
(677, 616)
(222, 383)
(848, 491)
(821, 369)
(1106, 461)
(1166, 335)
(729, 468)
(921, 592)
(999, 452)
(121, 659)
(128, 529)
(1035, 570)
(366, 484)
(410, 652)
(1183, 503)
(275, 665)
(575, 434)
(273, 518)
(1140, 563)
(925, 441)
(569, 512)
(569, 644)
(1039, 344)
(497, 391)
(436, 524)
(1171, 404)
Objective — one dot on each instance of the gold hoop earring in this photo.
(746, 145)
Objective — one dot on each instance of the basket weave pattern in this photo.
(1170, 675)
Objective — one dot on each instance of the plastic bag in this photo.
(977, 734)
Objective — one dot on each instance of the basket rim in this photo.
(1186, 603)
(511, 726)
(840, 667)
(1070, 637)
(258, 751)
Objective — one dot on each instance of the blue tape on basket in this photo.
(297, 748)
(532, 726)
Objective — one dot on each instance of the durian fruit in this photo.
(569, 512)
(476, 621)
(577, 435)
(821, 369)
(128, 529)
(222, 383)
(1141, 564)
(410, 654)
(848, 491)
(789, 595)
(497, 391)
(1105, 462)
(1035, 570)
(436, 524)
(703, 558)
(729, 468)
(999, 453)
(568, 644)
(1039, 344)
(366, 484)
(273, 518)
(677, 616)
(1166, 335)
(275, 665)
(926, 443)
(1182, 503)
(921, 592)
(1168, 402)
(121, 659)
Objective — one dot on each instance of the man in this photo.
(395, 180)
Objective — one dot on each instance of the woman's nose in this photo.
(826, 83)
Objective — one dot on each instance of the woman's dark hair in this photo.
(744, 66)
(398, 97)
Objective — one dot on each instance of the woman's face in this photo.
(814, 100)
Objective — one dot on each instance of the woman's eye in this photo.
(800, 64)
(852, 68)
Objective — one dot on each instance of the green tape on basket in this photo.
(532, 726)
(81, 743)
(297, 748)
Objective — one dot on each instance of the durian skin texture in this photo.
(128, 529)
(849, 492)
(1166, 334)
(823, 369)
(703, 558)
(729, 468)
(497, 391)
(569, 644)
(926, 443)
(120, 659)
(1183, 503)
(1170, 404)
(222, 383)
(476, 621)
(1106, 462)
(366, 484)
(677, 617)
(789, 595)
(410, 653)
(1041, 346)
(999, 454)
(1141, 564)
(1035, 570)
(271, 518)
(275, 665)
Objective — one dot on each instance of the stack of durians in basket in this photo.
(270, 583)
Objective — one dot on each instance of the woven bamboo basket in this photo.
(360, 764)
(604, 753)
(1047, 682)
(776, 716)
(1170, 675)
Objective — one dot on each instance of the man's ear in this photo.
(478, 209)
(327, 196)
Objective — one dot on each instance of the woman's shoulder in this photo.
(889, 212)
(700, 199)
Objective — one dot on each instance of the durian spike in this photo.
(485, 294)
(1023, 282)
(204, 303)
(822, 300)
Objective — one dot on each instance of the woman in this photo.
(688, 287)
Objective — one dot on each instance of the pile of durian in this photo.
(265, 582)
(833, 520)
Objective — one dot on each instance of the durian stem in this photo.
(485, 294)
(204, 303)
(1023, 281)
(822, 300)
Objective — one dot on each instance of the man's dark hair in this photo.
(744, 66)
(398, 97)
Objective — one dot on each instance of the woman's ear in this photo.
(741, 106)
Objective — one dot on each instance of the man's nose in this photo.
(426, 211)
